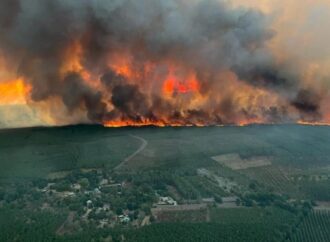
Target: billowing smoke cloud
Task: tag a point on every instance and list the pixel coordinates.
(167, 61)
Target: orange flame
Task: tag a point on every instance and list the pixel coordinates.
(173, 84)
(124, 123)
(146, 122)
(313, 123)
(14, 92)
(73, 61)
(121, 65)
(177, 79)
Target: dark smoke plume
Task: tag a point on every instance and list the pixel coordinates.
(208, 37)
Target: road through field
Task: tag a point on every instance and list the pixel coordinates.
(143, 145)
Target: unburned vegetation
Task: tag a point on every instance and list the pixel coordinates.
(84, 183)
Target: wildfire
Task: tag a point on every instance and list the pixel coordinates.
(72, 57)
(313, 123)
(13, 92)
(243, 123)
(173, 84)
(121, 64)
(124, 123)
(178, 65)
(147, 122)
(161, 124)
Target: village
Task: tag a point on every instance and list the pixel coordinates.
(106, 200)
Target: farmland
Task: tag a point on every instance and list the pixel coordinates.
(255, 183)
(315, 227)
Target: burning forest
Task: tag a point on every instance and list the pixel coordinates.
(146, 62)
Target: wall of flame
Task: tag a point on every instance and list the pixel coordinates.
(180, 85)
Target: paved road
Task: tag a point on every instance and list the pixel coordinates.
(143, 145)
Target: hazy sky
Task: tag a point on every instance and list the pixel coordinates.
(302, 29)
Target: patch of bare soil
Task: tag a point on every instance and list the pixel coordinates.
(235, 162)
(322, 206)
(58, 175)
(181, 213)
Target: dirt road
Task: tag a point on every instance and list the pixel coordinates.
(143, 145)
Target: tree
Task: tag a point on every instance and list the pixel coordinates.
(119, 211)
(2, 194)
(84, 183)
(40, 183)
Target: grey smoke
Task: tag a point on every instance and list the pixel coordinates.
(207, 36)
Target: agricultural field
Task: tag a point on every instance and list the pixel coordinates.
(253, 183)
(314, 228)
(275, 178)
(315, 187)
(271, 224)
(242, 224)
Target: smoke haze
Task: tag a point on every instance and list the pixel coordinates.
(167, 62)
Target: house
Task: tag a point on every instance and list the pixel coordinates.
(66, 194)
(167, 201)
(48, 187)
(229, 199)
(89, 203)
(104, 182)
(97, 191)
(76, 187)
(124, 218)
(208, 200)
(106, 207)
